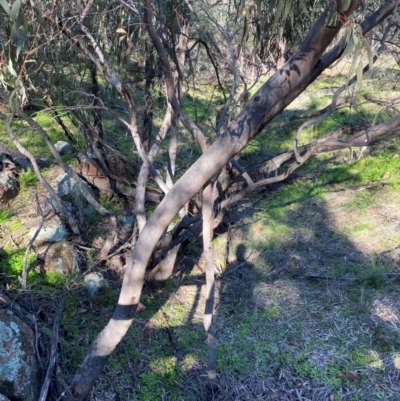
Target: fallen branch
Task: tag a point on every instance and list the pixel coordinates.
(53, 350)
(43, 218)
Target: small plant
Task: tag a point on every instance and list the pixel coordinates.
(114, 205)
(11, 262)
(4, 216)
(15, 224)
(28, 178)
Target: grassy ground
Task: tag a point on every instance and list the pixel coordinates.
(308, 294)
(308, 291)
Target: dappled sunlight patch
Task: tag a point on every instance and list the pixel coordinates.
(269, 233)
(376, 362)
(369, 220)
(278, 297)
(186, 304)
(396, 360)
(386, 310)
(163, 365)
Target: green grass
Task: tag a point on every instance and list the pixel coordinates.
(4, 216)
(11, 263)
(279, 324)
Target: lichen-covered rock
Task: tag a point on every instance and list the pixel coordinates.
(19, 378)
(53, 233)
(8, 186)
(69, 193)
(61, 258)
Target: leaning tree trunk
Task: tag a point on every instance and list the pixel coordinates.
(257, 112)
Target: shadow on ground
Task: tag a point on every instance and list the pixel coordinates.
(307, 309)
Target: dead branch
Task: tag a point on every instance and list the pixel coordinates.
(43, 218)
(362, 138)
(53, 350)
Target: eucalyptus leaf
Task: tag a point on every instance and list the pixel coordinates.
(288, 7)
(11, 69)
(5, 6)
(346, 5)
(21, 40)
(15, 10)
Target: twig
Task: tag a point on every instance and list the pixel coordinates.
(177, 351)
(12, 240)
(67, 389)
(37, 334)
(53, 351)
(25, 271)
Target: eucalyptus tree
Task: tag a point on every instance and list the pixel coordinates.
(103, 38)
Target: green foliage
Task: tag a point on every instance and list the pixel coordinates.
(14, 224)
(4, 216)
(11, 263)
(114, 205)
(56, 279)
(28, 178)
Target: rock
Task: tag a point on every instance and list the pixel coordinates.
(89, 168)
(3, 398)
(127, 220)
(63, 147)
(51, 233)
(19, 369)
(44, 162)
(61, 258)
(8, 186)
(94, 281)
(53, 229)
(22, 162)
(70, 195)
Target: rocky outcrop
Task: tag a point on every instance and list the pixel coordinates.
(92, 173)
(19, 369)
(94, 282)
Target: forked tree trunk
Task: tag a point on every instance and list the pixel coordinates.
(270, 100)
